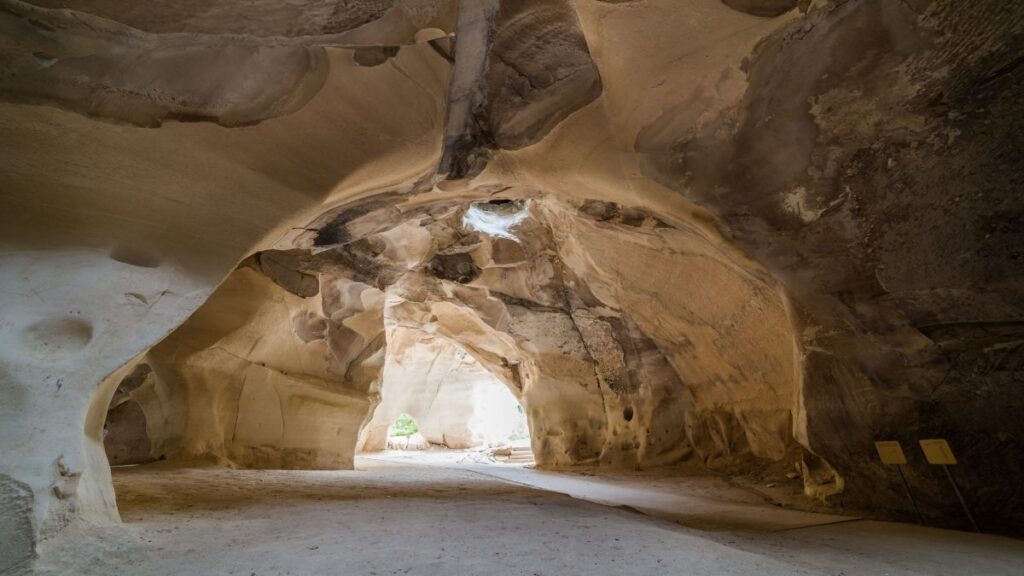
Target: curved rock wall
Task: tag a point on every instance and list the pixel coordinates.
(869, 166)
(722, 328)
(614, 367)
(114, 234)
(803, 215)
(257, 394)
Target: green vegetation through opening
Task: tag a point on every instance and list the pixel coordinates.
(403, 426)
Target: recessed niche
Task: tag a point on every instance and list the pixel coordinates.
(135, 257)
(57, 337)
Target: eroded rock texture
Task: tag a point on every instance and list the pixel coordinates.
(735, 234)
(128, 229)
(193, 61)
(520, 68)
(558, 311)
(871, 166)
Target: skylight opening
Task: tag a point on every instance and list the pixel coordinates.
(497, 218)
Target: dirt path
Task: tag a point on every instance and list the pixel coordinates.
(405, 519)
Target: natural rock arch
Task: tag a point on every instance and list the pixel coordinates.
(608, 376)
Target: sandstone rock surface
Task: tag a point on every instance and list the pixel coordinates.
(737, 234)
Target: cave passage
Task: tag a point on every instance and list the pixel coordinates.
(701, 287)
(510, 338)
(472, 317)
(465, 408)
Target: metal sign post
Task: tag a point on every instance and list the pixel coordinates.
(938, 452)
(890, 452)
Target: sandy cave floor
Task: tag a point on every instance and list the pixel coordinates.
(397, 516)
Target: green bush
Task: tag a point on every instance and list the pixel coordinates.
(404, 426)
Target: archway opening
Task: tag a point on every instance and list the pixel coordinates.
(469, 318)
(435, 396)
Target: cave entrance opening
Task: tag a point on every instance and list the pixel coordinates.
(436, 398)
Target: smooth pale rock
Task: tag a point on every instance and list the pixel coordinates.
(454, 401)
(258, 396)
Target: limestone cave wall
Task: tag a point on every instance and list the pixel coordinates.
(758, 230)
(289, 358)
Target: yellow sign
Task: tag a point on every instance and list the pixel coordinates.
(890, 452)
(937, 451)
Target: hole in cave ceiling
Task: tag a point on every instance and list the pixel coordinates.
(497, 217)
